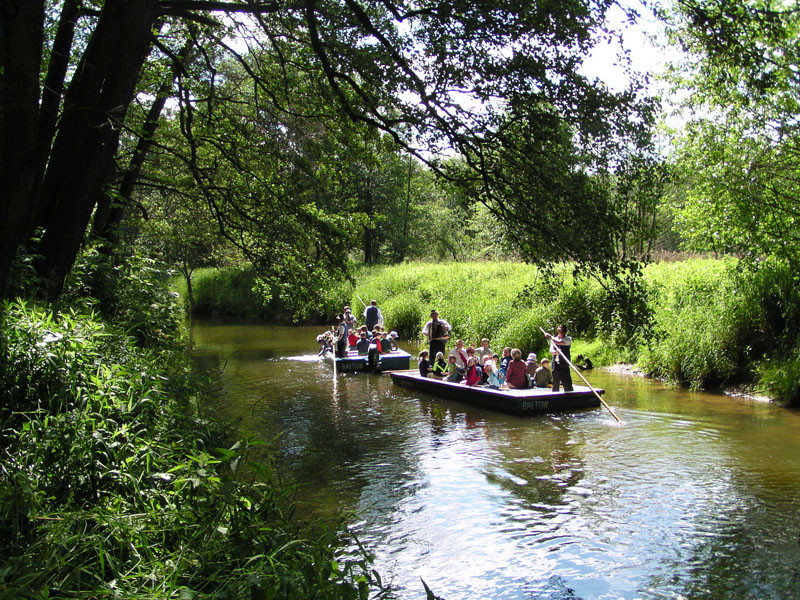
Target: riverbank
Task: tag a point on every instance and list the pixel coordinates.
(703, 323)
(115, 483)
(736, 391)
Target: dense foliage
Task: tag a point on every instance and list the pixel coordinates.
(738, 151)
(286, 122)
(111, 485)
(238, 292)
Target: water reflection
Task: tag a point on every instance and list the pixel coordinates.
(695, 496)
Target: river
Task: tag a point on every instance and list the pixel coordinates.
(696, 495)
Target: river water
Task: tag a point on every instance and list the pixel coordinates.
(696, 495)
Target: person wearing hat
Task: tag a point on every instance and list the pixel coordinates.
(349, 318)
(393, 340)
(438, 332)
(530, 367)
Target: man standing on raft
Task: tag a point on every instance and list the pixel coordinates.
(373, 315)
(561, 372)
(438, 332)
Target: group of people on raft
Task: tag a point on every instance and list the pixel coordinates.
(369, 339)
(463, 364)
(482, 366)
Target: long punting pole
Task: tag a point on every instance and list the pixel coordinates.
(359, 299)
(333, 356)
(586, 381)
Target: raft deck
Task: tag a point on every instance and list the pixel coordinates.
(520, 402)
(390, 361)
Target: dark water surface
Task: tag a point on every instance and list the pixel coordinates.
(696, 496)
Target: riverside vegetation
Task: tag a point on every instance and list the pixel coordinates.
(705, 322)
(112, 485)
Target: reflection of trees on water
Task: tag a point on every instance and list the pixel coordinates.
(355, 449)
(539, 461)
(344, 450)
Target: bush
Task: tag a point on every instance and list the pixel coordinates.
(780, 379)
(111, 487)
(715, 321)
(129, 293)
(695, 333)
(227, 291)
(239, 292)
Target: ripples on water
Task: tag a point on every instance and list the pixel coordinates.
(695, 496)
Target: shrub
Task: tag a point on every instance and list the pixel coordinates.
(780, 379)
(131, 294)
(227, 291)
(694, 335)
(111, 488)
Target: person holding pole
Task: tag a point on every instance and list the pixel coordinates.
(560, 351)
(561, 368)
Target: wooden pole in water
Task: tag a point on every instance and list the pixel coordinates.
(586, 381)
(333, 356)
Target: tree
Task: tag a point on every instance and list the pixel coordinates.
(740, 153)
(638, 186)
(431, 75)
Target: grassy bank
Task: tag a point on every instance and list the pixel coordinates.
(710, 322)
(706, 322)
(112, 486)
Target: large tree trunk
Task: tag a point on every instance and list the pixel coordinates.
(21, 30)
(87, 139)
(52, 93)
(111, 210)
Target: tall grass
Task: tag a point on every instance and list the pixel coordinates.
(506, 302)
(710, 321)
(697, 312)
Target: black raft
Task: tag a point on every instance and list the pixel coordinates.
(520, 402)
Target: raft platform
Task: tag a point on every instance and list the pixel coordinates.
(519, 402)
(390, 361)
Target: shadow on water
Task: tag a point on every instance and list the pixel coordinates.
(694, 497)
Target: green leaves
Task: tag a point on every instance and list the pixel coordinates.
(111, 487)
(738, 155)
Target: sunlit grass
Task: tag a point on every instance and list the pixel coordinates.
(711, 321)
